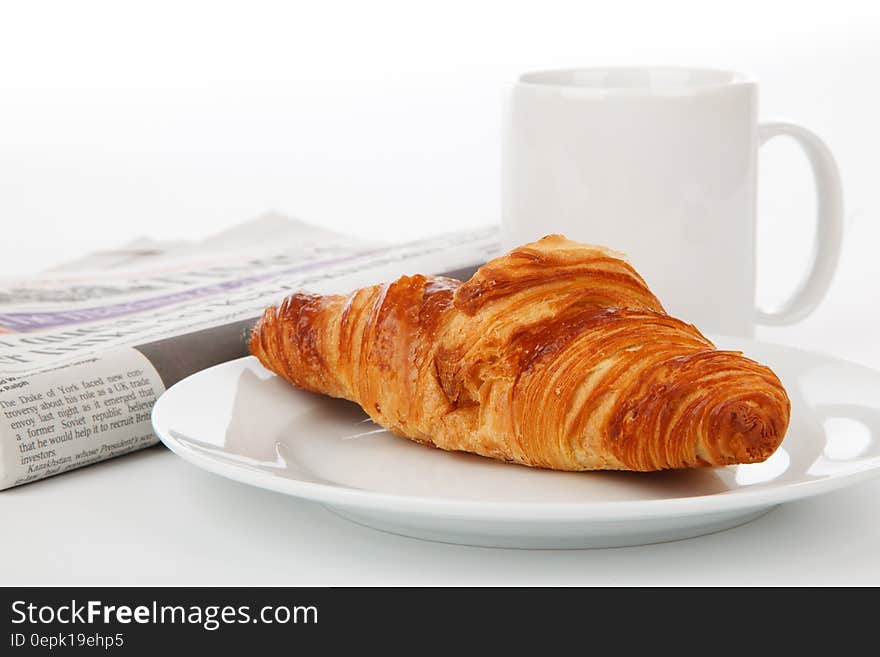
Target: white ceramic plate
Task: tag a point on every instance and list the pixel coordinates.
(240, 421)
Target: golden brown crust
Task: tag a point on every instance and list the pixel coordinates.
(555, 355)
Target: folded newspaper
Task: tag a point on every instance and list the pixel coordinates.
(88, 347)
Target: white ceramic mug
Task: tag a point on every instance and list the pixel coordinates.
(661, 164)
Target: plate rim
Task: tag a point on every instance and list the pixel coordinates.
(371, 500)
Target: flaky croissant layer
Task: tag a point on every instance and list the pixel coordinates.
(555, 355)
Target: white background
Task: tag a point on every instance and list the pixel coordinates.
(381, 119)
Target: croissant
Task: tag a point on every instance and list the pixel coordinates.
(555, 355)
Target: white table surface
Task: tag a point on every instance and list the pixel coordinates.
(150, 518)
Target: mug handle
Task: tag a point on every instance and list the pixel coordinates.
(829, 224)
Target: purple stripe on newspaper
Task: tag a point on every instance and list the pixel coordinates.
(38, 321)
